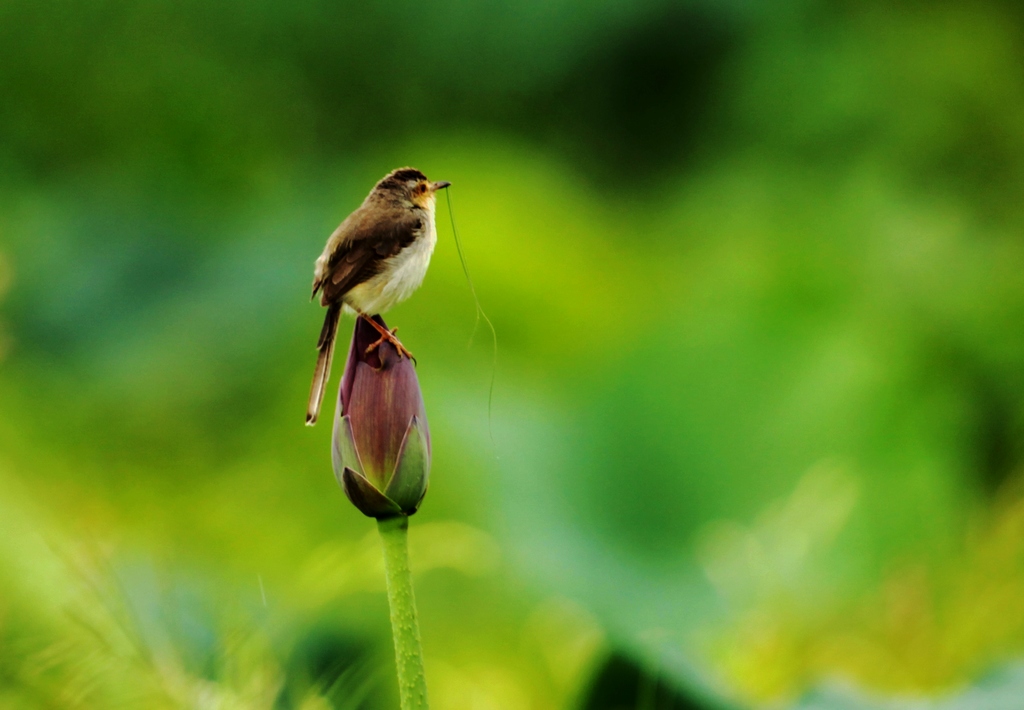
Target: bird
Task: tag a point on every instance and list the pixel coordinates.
(375, 259)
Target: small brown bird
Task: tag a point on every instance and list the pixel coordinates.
(375, 259)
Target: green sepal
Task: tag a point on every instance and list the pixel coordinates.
(343, 453)
(364, 496)
(408, 483)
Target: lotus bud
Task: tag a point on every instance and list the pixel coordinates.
(381, 443)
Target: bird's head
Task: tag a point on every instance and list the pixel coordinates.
(408, 186)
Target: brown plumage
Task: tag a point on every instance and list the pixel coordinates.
(375, 259)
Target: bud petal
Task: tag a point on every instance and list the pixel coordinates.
(365, 497)
(408, 484)
(383, 396)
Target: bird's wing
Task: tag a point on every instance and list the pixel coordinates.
(364, 241)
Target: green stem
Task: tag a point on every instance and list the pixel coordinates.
(412, 685)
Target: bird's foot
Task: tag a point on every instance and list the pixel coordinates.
(389, 337)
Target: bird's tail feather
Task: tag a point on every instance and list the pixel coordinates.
(325, 347)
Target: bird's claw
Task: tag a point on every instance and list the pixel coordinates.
(389, 336)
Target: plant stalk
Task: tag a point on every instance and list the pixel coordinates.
(412, 685)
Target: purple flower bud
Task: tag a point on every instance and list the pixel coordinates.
(381, 442)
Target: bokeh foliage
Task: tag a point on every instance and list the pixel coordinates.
(759, 401)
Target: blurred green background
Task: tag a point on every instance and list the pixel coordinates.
(757, 276)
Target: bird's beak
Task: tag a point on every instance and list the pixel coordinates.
(441, 185)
